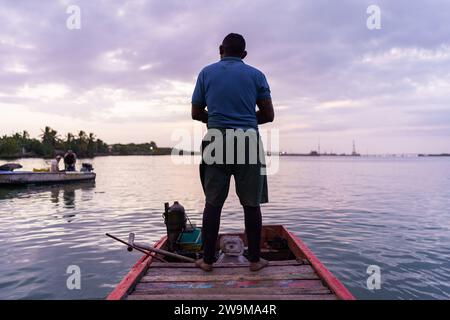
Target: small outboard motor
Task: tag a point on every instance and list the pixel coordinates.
(86, 167)
(175, 220)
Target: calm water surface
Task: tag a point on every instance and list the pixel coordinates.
(352, 212)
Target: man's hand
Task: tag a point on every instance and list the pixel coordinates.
(265, 113)
(199, 114)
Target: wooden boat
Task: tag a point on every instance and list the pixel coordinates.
(8, 178)
(293, 273)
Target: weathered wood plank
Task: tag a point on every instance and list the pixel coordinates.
(228, 274)
(229, 277)
(233, 284)
(232, 297)
(236, 270)
(234, 291)
(226, 265)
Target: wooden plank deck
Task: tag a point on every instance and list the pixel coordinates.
(281, 280)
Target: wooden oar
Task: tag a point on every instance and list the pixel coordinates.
(155, 250)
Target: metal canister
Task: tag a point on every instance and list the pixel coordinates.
(175, 220)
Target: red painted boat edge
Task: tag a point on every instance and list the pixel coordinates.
(333, 283)
(137, 271)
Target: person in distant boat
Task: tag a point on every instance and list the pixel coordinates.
(70, 158)
(225, 98)
(54, 164)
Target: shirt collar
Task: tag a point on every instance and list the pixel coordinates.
(231, 59)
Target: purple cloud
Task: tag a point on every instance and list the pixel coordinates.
(136, 61)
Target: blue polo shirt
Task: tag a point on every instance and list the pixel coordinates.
(230, 89)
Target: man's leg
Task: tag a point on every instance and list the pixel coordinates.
(210, 232)
(253, 226)
(216, 182)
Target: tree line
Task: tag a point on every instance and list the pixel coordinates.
(85, 145)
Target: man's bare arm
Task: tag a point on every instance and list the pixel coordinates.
(199, 114)
(265, 113)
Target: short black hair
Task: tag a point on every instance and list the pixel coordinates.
(234, 44)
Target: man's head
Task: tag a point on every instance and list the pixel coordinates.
(233, 46)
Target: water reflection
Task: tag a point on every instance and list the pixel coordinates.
(68, 191)
(61, 195)
(351, 212)
(67, 194)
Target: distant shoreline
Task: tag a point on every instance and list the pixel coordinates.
(88, 146)
(434, 155)
(156, 152)
(398, 155)
(196, 153)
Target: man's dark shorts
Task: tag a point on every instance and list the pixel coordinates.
(246, 162)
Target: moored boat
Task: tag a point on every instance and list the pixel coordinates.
(9, 178)
(293, 273)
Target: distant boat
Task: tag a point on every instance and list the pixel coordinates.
(9, 178)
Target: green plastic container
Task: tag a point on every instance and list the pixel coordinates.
(191, 240)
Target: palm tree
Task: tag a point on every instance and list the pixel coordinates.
(101, 146)
(68, 144)
(49, 136)
(91, 145)
(69, 138)
(82, 142)
(25, 135)
(82, 135)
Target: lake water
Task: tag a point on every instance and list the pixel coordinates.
(352, 212)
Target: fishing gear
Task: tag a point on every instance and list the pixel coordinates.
(149, 250)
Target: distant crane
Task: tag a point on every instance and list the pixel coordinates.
(354, 153)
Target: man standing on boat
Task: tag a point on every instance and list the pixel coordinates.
(70, 158)
(231, 90)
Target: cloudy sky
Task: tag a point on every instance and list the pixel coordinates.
(129, 72)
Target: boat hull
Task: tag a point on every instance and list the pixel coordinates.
(302, 271)
(25, 178)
